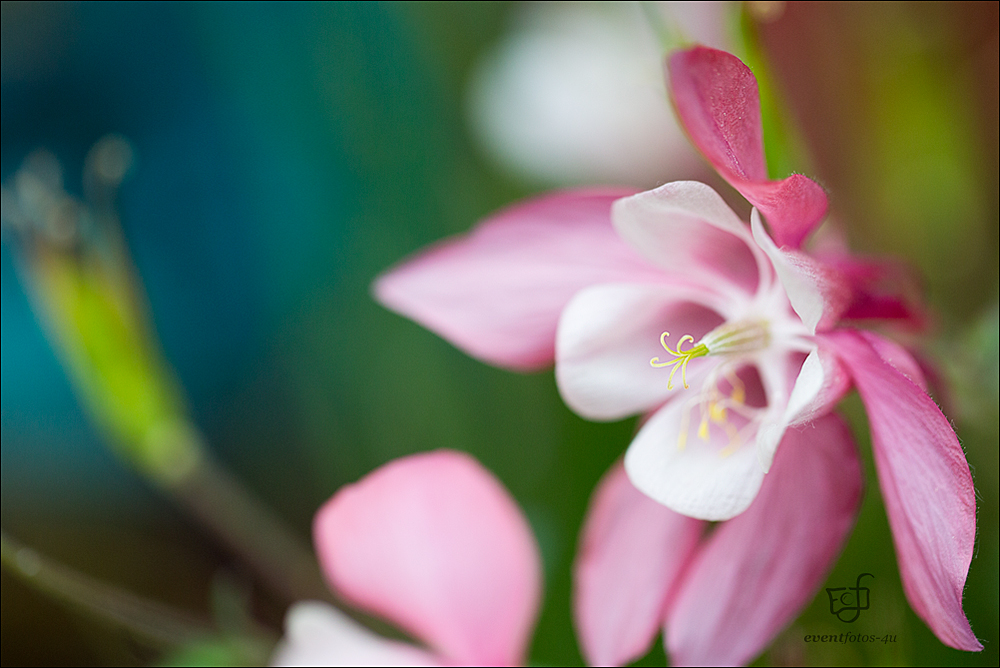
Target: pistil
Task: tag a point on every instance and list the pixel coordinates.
(734, 338)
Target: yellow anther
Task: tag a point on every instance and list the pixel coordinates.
(739, 393)
(681, 357)
(734, 441)
(682, 435)
(728, 450)
(703, 429)
(717, 412)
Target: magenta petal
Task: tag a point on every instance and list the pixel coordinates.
(898, 358)
(435, 544)
(759, 569)
(630, 555)
(926, 485)
(717, 101)
(880, 288)
(497, 292)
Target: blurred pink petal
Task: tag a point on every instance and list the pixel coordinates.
(317, 634)
(880, 289)
(434, 544)
(926, 485)
(497, 292)
(717, 101)
(631, 554)
(757, 571)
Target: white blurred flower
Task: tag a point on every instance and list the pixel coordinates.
(575, 93)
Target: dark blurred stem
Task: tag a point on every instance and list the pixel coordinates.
(249, 528)
(154, 622)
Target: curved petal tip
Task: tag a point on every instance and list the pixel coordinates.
(718, 103)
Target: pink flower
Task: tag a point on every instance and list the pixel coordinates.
(752, 367)
(594, 281)
(434, 544)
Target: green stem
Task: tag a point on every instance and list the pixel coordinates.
(249, 528)
(155, 622)
(82, 284)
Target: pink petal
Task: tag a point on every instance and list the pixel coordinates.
(925, 483)
(317, 634)
(880, 288)
(817, 293)
(898, 358)
(687, 229)
(631, 553)
(497, 292)
(717, 102)
(758, 570)
(433, 543)
(607, 336)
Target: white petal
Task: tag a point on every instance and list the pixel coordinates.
(808, 384)
(701, 479)
(607, 336)
(817, 294)
(317, 634)
(687, 229)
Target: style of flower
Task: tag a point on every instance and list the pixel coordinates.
(631, 293)
(434, 544)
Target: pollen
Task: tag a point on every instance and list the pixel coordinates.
(681, 357)
(716, 405)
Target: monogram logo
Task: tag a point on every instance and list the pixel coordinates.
(848, 602)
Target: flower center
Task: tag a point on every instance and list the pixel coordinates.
(681, 357)
(730, 338)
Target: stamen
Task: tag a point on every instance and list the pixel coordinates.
(734, 342)
(703, 428)
(739, 393)
(682, 357)
(739, 337)
(714, 407)
(736, 438)
(682, 435)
